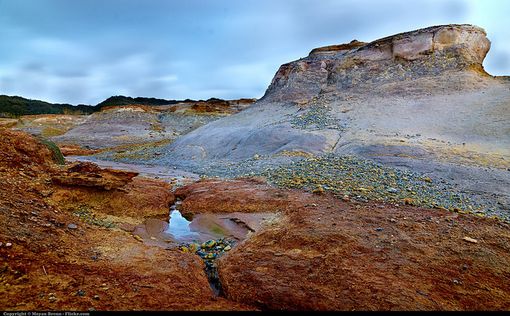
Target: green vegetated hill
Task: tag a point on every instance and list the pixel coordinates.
(120, 100)
(14, 106)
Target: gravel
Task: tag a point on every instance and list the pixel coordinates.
(348, 177)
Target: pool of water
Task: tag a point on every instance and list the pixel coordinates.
(179, 227)
(202, 227)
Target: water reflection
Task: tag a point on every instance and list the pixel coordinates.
(179, 227)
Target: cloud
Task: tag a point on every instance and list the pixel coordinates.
(86, 51)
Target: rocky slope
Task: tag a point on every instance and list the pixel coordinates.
(138, 124)
(419, 101)
(428, 85)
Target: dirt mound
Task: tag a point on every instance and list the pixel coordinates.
(20, 150)
(326, 254)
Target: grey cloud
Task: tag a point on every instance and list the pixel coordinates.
(85, 51)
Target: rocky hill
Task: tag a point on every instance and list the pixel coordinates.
(428, 84)
(137, 123)
(420, 101)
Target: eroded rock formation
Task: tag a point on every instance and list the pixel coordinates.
(407, 56)
(415, 92)
(86, 174)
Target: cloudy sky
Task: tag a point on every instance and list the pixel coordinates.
(85, 51)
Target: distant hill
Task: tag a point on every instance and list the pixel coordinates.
(120, 100)
(13, 106)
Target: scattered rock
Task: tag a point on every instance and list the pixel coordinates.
(209, 244)
(318, 190)
(127, 227)
(52, 297)
(72, 226)
(427, 179)
(471, 240)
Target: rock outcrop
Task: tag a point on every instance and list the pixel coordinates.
(246, 195)
(357, 65)
(427, 86)
(419, 100)
(87, 174)
(327, 255)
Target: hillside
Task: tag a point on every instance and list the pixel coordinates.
(14, 106)
(419, 101)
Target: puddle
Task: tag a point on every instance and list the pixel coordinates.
(201, 228)
(179, 227)
(206, 235)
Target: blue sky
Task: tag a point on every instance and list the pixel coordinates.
(85, 51)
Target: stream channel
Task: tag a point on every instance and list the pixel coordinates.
(208, 235)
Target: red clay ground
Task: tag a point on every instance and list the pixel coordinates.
(327, 254)
(318, 253)
(52, 259)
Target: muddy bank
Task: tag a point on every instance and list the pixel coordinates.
(60, 251)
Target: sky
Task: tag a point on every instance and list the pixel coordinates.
(83, 51)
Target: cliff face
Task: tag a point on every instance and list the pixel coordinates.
(431, 51)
